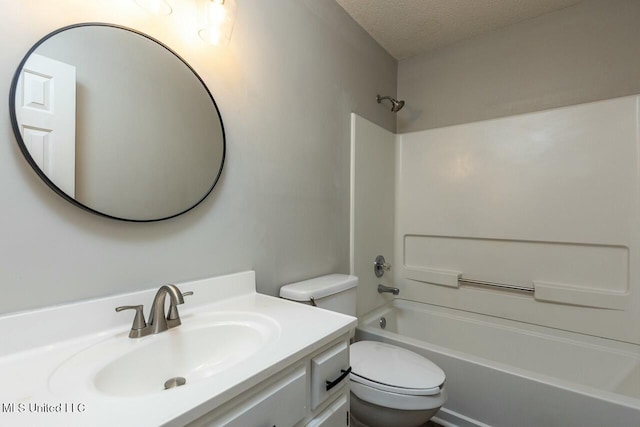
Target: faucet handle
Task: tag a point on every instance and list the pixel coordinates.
(138, 322)
(380, 266)
(173, 318)
(173, 309)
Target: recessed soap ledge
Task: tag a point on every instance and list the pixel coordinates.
(52, 356)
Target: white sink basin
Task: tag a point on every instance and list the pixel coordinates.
(201, 347)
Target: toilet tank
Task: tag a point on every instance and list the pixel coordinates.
(335, 292)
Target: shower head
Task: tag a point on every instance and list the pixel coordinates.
(395, 104)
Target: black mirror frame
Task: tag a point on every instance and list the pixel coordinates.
(41, 174)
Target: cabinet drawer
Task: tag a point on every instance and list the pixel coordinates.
(328, 367)
(336, 415)
(282, 404)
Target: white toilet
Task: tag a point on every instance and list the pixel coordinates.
(390, 386)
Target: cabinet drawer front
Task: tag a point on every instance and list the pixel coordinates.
(282, 405)
(336, 415)
(328, 367)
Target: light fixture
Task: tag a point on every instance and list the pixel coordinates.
(157, 7)
(217, 17)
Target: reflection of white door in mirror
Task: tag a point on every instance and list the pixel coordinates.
(46, 110)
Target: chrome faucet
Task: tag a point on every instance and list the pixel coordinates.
(382, 289)
(157, 320)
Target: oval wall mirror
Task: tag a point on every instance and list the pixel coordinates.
(117, 123)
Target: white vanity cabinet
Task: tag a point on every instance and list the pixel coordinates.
(295, 396)
(337, 414)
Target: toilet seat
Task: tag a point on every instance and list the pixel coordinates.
(393, 369)
(397, 390)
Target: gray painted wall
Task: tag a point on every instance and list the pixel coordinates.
(285, 85)
(584, 53)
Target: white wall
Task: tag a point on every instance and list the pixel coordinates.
(294, 71)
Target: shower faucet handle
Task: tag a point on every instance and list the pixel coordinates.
(380, 266)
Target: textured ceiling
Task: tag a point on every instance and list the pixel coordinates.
(407, 28)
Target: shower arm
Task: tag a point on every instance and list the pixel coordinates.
(395, 104)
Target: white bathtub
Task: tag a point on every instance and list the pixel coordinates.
(502, 373)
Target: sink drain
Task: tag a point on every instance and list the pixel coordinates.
(174, 382)
(383, 322)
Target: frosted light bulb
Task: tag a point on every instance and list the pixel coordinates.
(217, 18)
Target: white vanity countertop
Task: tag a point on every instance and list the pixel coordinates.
(37, 344)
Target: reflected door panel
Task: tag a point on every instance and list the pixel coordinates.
(46, 110)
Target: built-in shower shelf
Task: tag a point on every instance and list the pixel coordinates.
(574, 295)
(438, 277)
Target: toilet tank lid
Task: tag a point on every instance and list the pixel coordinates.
(318, 287)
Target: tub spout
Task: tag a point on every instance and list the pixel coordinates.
(382, 289)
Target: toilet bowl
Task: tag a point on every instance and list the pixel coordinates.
(390, 386)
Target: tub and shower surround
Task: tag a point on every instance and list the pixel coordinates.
(546, 202)
(517, 255)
